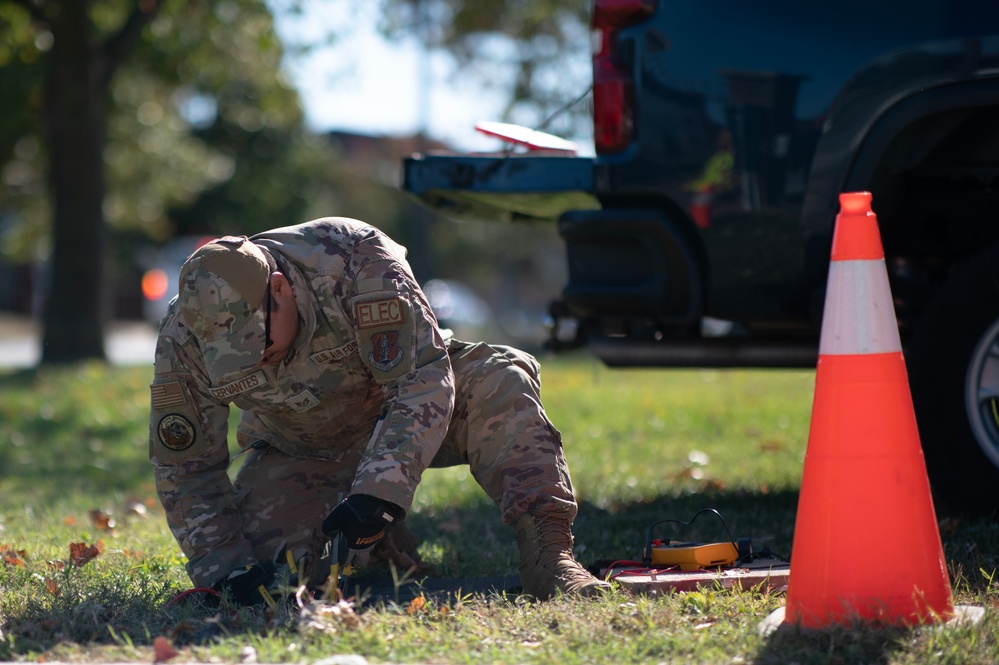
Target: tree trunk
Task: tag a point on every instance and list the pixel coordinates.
(75, 124)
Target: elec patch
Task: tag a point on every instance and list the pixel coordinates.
(175, 432)
(378, 313)
(384, 324)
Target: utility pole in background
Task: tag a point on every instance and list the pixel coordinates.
(421, 257)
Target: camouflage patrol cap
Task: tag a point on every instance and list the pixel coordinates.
(220, 296)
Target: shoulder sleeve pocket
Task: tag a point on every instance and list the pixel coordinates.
(383, 321)
(179, 429)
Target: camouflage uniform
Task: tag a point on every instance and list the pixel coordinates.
(373, 394)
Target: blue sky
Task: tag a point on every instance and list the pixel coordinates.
(366, 85)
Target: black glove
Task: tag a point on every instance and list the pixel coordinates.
(243, 584)
(360, 519)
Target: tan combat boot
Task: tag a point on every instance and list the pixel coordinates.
(546, 563)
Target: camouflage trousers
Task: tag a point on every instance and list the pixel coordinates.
(498, 428)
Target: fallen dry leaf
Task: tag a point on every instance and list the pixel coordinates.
(12, 557)
(187, 626)
(136, 508)
(102, 521)
(162, 650)
(682, 474)
(416, 605)
(328, 617)
(81, 554)
(52, 587)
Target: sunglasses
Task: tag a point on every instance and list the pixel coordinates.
(267, 317)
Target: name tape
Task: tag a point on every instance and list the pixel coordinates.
(255, 380)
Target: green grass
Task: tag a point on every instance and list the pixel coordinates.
(643, 446)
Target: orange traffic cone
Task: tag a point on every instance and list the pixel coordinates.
(866, 543)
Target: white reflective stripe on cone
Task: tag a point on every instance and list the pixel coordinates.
(859, 316)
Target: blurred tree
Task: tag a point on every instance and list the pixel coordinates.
(127, 120)
(178, 106)
(79, 61)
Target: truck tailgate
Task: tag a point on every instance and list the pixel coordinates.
(501, 187)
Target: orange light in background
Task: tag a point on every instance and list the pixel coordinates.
(155, 284)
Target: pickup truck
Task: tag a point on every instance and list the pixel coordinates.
(698, 235)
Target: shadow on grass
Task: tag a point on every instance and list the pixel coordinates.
(473, 553)
(470, 550)
(848, 644)
(83, 608)
(621, 531)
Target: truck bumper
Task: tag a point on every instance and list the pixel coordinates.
(630, 265)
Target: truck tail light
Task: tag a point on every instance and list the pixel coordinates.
(613, 108)
(620, 13)
(155, 284)
(613, 86)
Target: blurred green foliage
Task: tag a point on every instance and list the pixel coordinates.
(205, 135)
(199, 110)
(205, 132)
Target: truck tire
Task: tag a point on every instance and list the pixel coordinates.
(953, 364)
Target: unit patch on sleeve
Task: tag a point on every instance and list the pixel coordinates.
(387, 353)
(384, 327)
(175, 432)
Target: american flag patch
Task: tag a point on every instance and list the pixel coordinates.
(167, 394)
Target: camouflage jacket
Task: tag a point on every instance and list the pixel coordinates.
(369, 369)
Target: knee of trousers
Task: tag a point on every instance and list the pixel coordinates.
(283, 500)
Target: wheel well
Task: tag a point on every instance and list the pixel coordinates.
(936, 194)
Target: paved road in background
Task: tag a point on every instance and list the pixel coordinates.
(126, 343)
